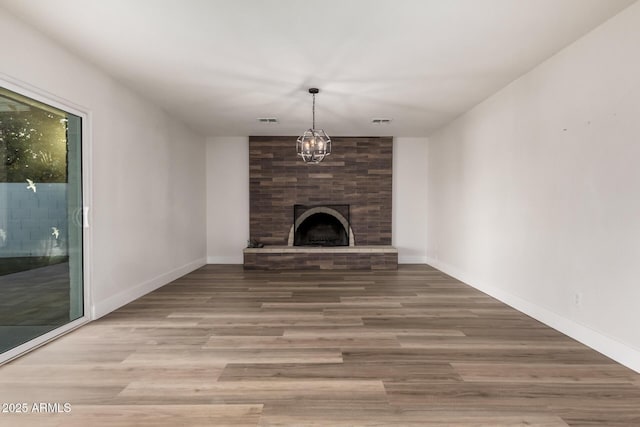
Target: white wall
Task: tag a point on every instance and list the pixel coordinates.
(534, 195)
(148, 170)
(410, 199)
(227, 199)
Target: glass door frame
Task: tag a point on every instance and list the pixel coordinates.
(85, 115)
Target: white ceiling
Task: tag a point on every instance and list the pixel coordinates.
(219, 64)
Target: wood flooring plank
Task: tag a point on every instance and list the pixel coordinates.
(329, 305)
(420, 355)
(474, 343)
(219, 357)
(512, 396)
(293, 342)
(314, 371)
(78, 392)
(396, 312)
(324, 321)
(331, 413)
(362, 331)
(556, 373)
(247, 331)
(411, 419)
(261, 391)
(114, 374)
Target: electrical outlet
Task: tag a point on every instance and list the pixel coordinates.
(577, 299)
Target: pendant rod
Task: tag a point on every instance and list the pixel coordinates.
(313, 91)
(314, 112)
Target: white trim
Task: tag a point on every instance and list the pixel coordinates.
(610, 347)
(238, 259)
(42, 95)
(116, 301)
(411, 259)
(87, 211)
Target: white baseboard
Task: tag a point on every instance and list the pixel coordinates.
(412, 259)
(612, 348)
(116, 301)
(225, 259)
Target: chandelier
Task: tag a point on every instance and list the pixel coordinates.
(314, 144)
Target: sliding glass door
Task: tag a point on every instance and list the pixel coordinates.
(41, 227)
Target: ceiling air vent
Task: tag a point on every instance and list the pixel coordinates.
(380, 121)
(267, 120)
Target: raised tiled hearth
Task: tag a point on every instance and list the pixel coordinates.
(357, 174)
(330, 258)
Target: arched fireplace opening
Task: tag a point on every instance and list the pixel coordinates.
(321, 226)
(321, 229)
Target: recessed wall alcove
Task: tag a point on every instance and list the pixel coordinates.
(357, 174)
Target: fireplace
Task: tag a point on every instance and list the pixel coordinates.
(354, 235)
(326, 225)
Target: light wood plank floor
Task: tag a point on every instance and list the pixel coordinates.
(222, 346)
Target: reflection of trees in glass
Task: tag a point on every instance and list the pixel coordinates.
(33, 144)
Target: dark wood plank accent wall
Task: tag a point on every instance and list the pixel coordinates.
(358, 173)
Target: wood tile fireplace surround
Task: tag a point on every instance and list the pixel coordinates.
(358, 173)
